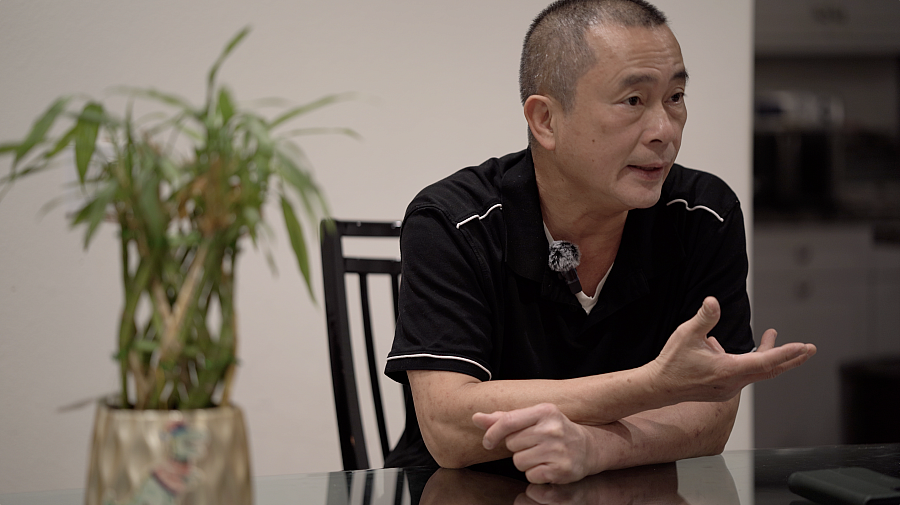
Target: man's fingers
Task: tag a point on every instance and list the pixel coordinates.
(715, 344)
(767, 341)
(706, 318)
(773, 361)
(501, 425)
(811, 350)
(492, 438)
(793, 362)
(485, 421)
(769, 361)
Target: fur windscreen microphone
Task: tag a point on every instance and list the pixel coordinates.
(564, 258)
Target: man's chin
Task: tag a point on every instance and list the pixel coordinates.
(643, 198)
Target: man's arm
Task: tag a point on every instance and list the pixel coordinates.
(691, 368)
(549, 448)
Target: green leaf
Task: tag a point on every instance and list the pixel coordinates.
(302, 183)
(324, 131)
(39, 166)
(94, 211)
(258, 131)
(252, 218)
(311, 106)
(225, 107)
(192, 134)
(298, 243)
(62, 143)
(86, 137)
(270, 260)
(176, 123)
(291, 172)
(211, 79)
(170, 172)
(41, 126)
(159, 96)
(149, 210)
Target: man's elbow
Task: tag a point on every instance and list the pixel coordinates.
(706, 443)
(717, 445)
(449, 460)
(445, 450)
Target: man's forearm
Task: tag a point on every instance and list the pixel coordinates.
(452, 399)
(685, 430)
(550, 448)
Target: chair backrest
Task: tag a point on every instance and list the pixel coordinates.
(336, 267)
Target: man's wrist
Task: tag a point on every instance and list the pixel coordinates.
(606, 447)
(652, 389)
(658, 386)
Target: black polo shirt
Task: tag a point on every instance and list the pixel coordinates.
(478, 297)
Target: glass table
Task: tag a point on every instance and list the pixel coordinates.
(735, 478)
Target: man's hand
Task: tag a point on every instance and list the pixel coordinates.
(547, 446)
(645, 485)
(696, 368)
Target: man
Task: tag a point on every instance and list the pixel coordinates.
(646, 363)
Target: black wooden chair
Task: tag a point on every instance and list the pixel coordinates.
(336, 267)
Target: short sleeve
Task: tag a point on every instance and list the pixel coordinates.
(445, 310)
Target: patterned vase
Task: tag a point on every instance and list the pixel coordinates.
(190, 457)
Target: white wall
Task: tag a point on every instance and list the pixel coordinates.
(438, 81)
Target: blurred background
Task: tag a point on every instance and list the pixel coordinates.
(826, 191)
(437, 91)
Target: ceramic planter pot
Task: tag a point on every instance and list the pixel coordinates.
(161, 457)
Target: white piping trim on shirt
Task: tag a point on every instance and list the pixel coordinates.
(438, 356)
(702, 207)
(476, 216)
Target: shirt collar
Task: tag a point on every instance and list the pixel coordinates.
(650, 245)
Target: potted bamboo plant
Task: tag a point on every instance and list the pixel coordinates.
(186, 190)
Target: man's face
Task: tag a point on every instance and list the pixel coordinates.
(617, 144)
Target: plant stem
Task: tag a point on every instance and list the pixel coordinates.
(168, 343)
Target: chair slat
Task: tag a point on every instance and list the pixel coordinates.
(372, 266)
(335, 267)
(373, 366)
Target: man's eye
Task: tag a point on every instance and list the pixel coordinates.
(633, 100)
(678, 97)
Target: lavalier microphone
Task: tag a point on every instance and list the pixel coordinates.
(564, 258)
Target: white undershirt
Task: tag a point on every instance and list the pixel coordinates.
(587, 302)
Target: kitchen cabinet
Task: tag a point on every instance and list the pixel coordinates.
(836, 287)
(856, 27)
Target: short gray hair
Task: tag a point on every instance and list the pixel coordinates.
(556, 54)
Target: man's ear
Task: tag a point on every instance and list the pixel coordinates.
(539, 112)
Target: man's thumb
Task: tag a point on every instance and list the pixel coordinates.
(484, 421)
(707, 316)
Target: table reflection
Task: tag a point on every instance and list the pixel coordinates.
(669, 484)
(736, 478)
(761, 477)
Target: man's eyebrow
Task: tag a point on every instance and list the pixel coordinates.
(633, 80)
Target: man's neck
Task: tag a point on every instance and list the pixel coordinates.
(596, 231)
(570, 213)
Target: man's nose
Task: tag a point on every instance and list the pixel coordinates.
(661, 126)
